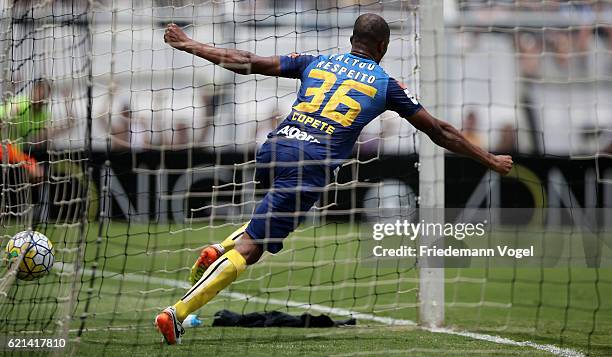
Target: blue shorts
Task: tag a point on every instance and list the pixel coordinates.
(295, 184)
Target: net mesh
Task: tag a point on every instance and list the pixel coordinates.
(147, 156)
(46, 67)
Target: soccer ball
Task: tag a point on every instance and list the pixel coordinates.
(37, 251)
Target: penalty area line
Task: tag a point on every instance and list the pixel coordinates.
(139, 278)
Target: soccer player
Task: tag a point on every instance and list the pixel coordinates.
(339, 95)
(26, 118)
(16, 156)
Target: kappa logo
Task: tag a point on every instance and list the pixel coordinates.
(407, 92)
(411, 97)
(296, 55)
(295, 133)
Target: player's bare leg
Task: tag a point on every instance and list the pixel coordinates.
(217, 277)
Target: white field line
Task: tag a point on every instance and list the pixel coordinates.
(555, 350)
(558, 351)
(321, 308)
(240, 296)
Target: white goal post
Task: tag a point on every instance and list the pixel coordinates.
(431, 157)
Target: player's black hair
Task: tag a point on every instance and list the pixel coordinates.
(370, 29)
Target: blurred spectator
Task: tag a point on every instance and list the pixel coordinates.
(28, 117)
(601, 138)
(607, 148)
(507, 142)
(266, 126)
(29, 124)
(552, 54)
(120, 132)
(470, 129)
(204, 133)
(529, 48)
(129, 132)
(180, 138)
(209, 106)
(568, 45)
(210, 102)
(604, 28)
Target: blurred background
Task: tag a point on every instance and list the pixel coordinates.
(531, 77)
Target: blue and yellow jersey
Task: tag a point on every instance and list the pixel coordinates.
(339, 95)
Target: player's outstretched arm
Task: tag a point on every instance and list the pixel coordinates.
(238, 61)
(448, 137)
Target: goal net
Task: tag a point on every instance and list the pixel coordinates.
(46, 69)
(147, 156)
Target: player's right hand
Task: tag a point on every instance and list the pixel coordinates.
(502, 164)
(176, 37)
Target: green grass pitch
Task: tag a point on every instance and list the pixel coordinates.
(134, 270)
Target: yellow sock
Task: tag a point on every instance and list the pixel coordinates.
(216, 278)
(229, 242)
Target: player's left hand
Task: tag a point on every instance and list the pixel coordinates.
(176, 37)
(502, 164)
